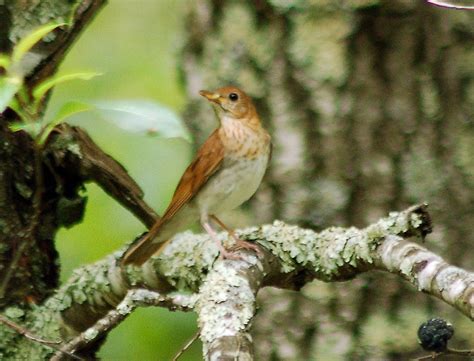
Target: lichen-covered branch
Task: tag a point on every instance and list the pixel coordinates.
(226, 308)
(223, 291)
(134, 298)
(428, 272)
(365, 100)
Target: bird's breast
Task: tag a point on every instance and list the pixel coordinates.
(236, 181)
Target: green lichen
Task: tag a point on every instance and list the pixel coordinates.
(124, 308)
(39, 322)
(326, 253)
(74, 148)
(192, 257)
(91, 334)
(225, 292)
(89, 284)
(14, 313)
(27, 15)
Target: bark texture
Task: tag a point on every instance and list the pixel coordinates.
(35, 199)
(370, 105)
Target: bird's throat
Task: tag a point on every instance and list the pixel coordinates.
(246, 139)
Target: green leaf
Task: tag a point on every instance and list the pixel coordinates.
(31, 39)
(42, 89)
(4, 61)
(17, 108)
(32, 129)
(67, 110)
(9, 86)
(144, 116)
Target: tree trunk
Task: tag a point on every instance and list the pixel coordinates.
(35, 198)
(370, 107)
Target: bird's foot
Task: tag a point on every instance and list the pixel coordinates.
(231, 253)
(241, 244)
(225, 254)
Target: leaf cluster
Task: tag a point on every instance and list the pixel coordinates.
(28, 104)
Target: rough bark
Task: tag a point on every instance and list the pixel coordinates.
(370, 107)
(21, 220)
(41, 192)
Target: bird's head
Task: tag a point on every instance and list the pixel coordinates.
(232, 102)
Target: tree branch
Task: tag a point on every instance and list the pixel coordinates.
(74, 153)
(223, 291)
(133, 299)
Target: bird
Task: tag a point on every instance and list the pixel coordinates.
(225, 172)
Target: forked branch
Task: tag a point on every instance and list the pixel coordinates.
(223, 292)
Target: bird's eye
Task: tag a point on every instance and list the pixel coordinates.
(233, 96)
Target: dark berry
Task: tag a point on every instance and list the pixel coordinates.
(434, 334)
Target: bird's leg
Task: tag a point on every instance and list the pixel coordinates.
(224, 227)
(223, 254)
(240, 244)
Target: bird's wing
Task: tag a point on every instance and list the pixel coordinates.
(206, 163)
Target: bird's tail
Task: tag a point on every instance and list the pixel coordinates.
(142, 249)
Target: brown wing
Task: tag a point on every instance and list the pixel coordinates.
(206, 162)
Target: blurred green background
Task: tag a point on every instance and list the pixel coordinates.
(135, 45)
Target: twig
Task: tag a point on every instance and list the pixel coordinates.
(187, 345)
(91, 163)
(428, 357)
(450, 5)
(449, 351)
(30, 230)
(133, 299)
(24, 332)
(454, 351)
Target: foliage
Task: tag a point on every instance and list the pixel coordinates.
(132, 115)
(145, 117)
(13, 93)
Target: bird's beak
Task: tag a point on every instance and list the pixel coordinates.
(212, 97)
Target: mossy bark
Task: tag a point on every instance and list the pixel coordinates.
(33, 207)
(20, 220)
(370, 107)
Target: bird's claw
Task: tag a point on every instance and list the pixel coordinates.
(240, 244)
(224, 254)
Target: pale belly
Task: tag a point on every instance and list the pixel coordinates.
(232, 186)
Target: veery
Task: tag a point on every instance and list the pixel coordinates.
(226, 171)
